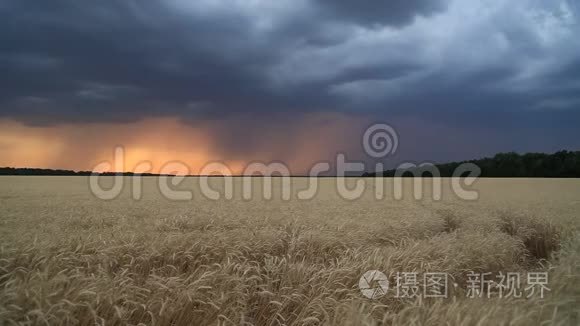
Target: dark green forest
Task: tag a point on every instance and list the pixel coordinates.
(563, 164)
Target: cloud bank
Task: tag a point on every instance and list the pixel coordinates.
(494, 67)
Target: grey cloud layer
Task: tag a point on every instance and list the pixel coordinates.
(477, 62)
(373, 12)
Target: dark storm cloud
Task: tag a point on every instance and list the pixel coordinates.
(490, 63)
(370, 12)
(157, 60)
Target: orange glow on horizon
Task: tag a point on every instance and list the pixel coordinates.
(83, 147)
(159, 141)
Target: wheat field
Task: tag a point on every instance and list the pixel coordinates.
(68, 258)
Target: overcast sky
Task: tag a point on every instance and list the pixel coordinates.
(457, 78)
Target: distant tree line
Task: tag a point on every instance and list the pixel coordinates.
(58, 172)
(563, 164)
